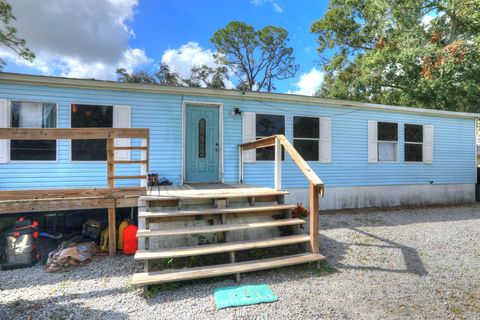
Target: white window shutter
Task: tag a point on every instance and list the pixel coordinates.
(249, 135)
(428, 144)
(325, 140)
(372, 141)
(122, 119)
(4, 123)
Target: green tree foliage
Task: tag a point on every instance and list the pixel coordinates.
(388, 52)
(201, 76)
(257, 57)
(164, 76)
(205, 76)
(8, 34)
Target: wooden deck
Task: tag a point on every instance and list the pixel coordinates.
(59, 199)
(208, 191)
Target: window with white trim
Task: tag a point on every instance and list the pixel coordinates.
(306, 137)
(33, 115)
(387, 137)
(413, 146)
(267, 125)
(90, 116)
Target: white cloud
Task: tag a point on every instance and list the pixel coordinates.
(276, 7)
(308, 83)
(189, 55)
(86, 38)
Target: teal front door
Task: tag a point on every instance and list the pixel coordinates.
(202, 144)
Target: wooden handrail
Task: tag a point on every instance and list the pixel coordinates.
(316, 184)
(71, 133)
(311, 176)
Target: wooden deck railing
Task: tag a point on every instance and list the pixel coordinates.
(12, 201)
(316, 184)
(109, 134)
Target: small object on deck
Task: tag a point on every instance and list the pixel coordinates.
(153, 182)
(243, 295)
(130, 242)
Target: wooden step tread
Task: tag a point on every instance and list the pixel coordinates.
(219, 228)
(220, 247)
(211, 211)
(217, 195)
(148, 278)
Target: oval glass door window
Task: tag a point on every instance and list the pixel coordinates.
(201, 138)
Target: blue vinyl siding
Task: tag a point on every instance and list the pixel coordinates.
(454, 143)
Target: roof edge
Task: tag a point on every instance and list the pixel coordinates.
(7, 77)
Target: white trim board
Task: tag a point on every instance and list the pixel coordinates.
(220, 134)
(6, 77)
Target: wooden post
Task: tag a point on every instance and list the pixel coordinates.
(278, 164)
(222, 236)
(112, 237)
(240, 164)
(111, 162)
(314, 219)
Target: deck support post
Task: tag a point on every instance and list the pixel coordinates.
(314, 218)
(278, 164)
(112, 237)
(232, 260)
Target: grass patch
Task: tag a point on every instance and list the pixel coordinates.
(323, 268)
(456, 310)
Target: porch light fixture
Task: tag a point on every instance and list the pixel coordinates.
(236, 112)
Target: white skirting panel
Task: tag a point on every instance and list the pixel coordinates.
(387, 196)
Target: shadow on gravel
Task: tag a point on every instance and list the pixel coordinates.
(335, 252)
(59, 307)
(396, 216)
(36, 276)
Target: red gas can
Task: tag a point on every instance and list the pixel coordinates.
(130, 243)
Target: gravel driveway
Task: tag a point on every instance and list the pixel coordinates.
(395, 264)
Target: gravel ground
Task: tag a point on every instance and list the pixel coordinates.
(395, 264)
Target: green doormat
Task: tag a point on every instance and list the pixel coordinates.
(243, 295)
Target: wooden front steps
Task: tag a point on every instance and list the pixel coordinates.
(177, 215)
(219, 248)
(148, 278)
(239, 211)
(219, 228)
(222, 194)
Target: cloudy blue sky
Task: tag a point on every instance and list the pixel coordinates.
(92, 38)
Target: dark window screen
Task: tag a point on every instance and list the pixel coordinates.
(306, 133)
(90, 116)
(387, 131)
(413, 143)
(268, 125)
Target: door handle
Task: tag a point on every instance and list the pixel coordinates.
(216, 147)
